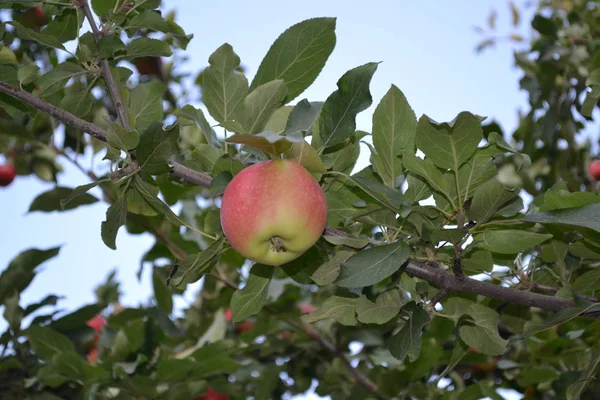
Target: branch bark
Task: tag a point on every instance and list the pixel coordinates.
(433, 275)
(113, 89)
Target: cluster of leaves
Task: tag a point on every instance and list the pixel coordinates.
(561, 77)
(432, 194)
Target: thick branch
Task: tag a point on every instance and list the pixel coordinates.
(421, 270)
(105, 68)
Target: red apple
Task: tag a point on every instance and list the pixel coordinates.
(594, 170)
(36, 17)
(149, 65)
(228, 314)
(244, 327)
(97, 323)
(306, 308)
(273, 211)
(210, 394)
(286, 335)
(7, 174)
(92, 355)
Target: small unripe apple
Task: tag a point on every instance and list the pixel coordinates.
(594, 170)
(7, 174)
(273, 211)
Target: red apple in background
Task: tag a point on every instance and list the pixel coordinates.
(273, 211)
(149, 65)
(36, 17)
(92, 355)
(594, 170)
(212, 395)
(306, 308)
(97, 323)
(286, 335)
(244, 327)
(228, 314)
(7, 174)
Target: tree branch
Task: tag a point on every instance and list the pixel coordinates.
(436, 276)
(105, 68)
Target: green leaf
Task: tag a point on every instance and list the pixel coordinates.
(28, 73)
(145, 104)
(267, 141)
(394, 128)
(482, 332)
(120, 138)
(575, 391)
(156, 147)
(47, 342)
(223, 87)
(303, 116)
(13, 314)
(109, 45)
(115, 218)
(563, 199)
(509, 241)
(197, 116)
(305, 155)
(386, 306)
(584, 217)
(51, 200)
(417, 189)
(386, 196)
(298, 55)
(556, 318)
(488, 199)
(193, 267)
(373, 265)
(21, 270)
(426, 170)
(458, 352)
(204, 157)
(55, 79)
(449, 145)
(260, 105)
(328, 272)
(65, 26)
(253, 297)
(337, 120)
(477, 262)
(78, 103)
(103, 6)
(337, 307)
(75, 193)
(148, 47)
(129, 340)
(7, 57)
(354, 242)
(588, 281)
(536, 375)
(544, 25)
(162, 294)
(41, 38)
(72, 365)
(407, 342)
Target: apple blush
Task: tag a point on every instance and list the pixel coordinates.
(273, 211)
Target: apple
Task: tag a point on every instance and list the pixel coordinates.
(286, 335)
(594, 170)
(36, 17)
(7, 174)
(273, 211)
(149, 65)
(210, 394)
(306, 308)
(96, 323)
(228, 314)
(92, 355)
(244, 327)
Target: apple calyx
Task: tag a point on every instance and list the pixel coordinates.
(278, 245)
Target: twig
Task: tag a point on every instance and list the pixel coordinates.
(105, 68)
(433, 275)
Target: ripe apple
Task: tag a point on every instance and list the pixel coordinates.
(149, 65)
(244, 327)
(35, 17)
(92, 355)
(228, 314)
(286, 335)
(594, 170)
(7, 174)
(273, 211)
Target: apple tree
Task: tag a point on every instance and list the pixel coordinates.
(463, 259)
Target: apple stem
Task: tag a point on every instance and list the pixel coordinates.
(278, 244)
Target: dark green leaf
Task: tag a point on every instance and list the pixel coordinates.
(303, 116)
(65, 26)
(115, 218)
(148, 47)
(47, 342)
(386, 306)
(193, 267)
(509, 241)
(337, 120)
(156, 147)
(197, 116)
(163, 296)
(260, 105)
(253, 297)
(407, 342)
(145, 104)
(52, 200)
(41, 38)
(120, 138)
(21, 270)
(371, 266)
(267, 141)
(584, 217)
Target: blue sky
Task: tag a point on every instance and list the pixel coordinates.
(426, 49)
